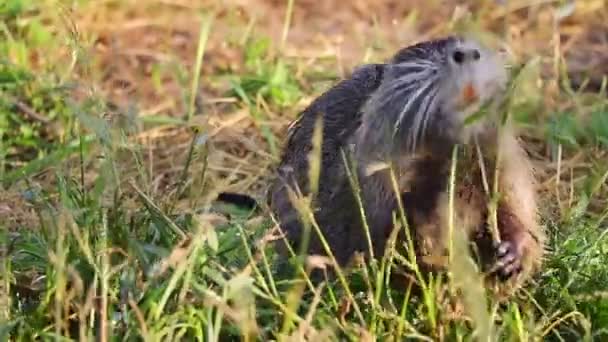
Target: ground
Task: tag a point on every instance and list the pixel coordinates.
(121, 121)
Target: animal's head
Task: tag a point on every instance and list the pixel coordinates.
(429, 90)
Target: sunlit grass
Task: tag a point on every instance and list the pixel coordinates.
(109, 227)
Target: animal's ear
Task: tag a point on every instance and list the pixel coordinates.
(372, 73)
(366, 69)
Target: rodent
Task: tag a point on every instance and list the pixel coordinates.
(410, 112)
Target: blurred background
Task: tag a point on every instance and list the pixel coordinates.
(260, 63)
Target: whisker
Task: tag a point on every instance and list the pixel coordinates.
(430, 107)
(414, 135)
(415, 66)
(403, 86)
(410, 79)
(400, 91)
(425, 98)
(411, 99)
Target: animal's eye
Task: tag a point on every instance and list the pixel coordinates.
(476, 55)
(458, 56)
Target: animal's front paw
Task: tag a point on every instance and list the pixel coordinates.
(508, 260)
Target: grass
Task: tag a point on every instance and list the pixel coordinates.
(120, 123)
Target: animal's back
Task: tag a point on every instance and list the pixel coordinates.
(335, 205)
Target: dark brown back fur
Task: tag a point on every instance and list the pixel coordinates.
(340, 108)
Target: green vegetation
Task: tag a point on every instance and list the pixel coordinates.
(111, 157)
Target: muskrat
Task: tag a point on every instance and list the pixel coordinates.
(409, 113)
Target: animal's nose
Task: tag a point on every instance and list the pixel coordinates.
(464, 55)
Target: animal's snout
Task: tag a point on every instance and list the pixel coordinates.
(462, 55)
(469, 94)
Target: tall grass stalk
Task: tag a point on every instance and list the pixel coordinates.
(204, 30)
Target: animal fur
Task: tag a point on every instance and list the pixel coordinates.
(408, 114)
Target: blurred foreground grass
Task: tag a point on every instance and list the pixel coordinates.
(120, 123)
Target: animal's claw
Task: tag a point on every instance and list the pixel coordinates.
(508, 262)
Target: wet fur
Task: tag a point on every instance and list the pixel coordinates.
(340, 108)
(422, 177)
(517, 215)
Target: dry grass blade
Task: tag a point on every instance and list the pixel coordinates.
(156, 210)
(315, 158)
(23, 107)
(464, 272)
(202, 44)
